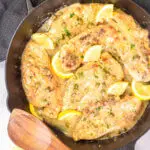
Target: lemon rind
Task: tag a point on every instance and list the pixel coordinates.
(32, 110)
(64, 114)
(139, 96)
(56, 70)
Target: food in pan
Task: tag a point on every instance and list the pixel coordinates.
(86, 71)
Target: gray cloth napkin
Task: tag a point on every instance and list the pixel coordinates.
(144, 3)
(11, 14)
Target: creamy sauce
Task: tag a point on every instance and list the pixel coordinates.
(73, 30)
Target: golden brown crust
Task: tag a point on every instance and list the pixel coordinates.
(38, 81)
(73, 30)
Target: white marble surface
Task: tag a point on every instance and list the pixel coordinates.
(5, 144)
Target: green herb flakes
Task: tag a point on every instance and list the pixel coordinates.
(98, 108)
(63, 36)
(97, 84)
(72, 14)
(135, 57)
(107, 125)
(132, 46)
(80, 74)
(82, 56)
(67, 32)
(96, 76)
(111, 113)
(76, 86)
(80, 20)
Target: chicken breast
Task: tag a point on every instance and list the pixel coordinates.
(101, 114)
(112, 66)
(70, 21)
(109, 119)
(39, 84)
(130, 54)
(124, 56)
(73, 20)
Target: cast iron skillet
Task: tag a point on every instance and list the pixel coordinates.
(16, 96)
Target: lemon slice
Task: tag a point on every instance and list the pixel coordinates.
(43, 40)
(67, 114)
(141, 90)
(117, 88)
(56, 66)
(68, 118)
(93, 53)
(105, 13)
(33, 112)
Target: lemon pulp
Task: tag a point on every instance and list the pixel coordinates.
(56, 66)
(93, 53)
(43, 40)
(117, 88)
(105, 13)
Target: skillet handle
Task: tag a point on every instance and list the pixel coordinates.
(130, 146)
(32, 3)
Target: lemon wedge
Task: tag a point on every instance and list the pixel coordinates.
(33, 111)
(68, 118)
(117, 88)
(93, 53)
(43, 40)
(105, 13)
(56, 66)
(67, 114)
(141, 90)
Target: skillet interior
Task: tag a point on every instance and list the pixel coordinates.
(17, 97)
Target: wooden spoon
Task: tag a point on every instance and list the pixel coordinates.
(29, 133)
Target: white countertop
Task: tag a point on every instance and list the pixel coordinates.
(5, 144)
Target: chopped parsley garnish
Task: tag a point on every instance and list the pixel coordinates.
(59, 39)
(111, 113)
(97, 84)
(82, 56)
(135, 57)
(132, 46)
(75, 77)
(96, 76)
(107, 125)
(80, 20)
(63, 36)
(76, 86)
(90, 24)
(80, 74)
(72, 14)
(98, 108)
(67, 32)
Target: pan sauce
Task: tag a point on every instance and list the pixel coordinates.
(73, 30)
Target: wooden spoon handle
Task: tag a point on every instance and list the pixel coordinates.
(29, 133)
